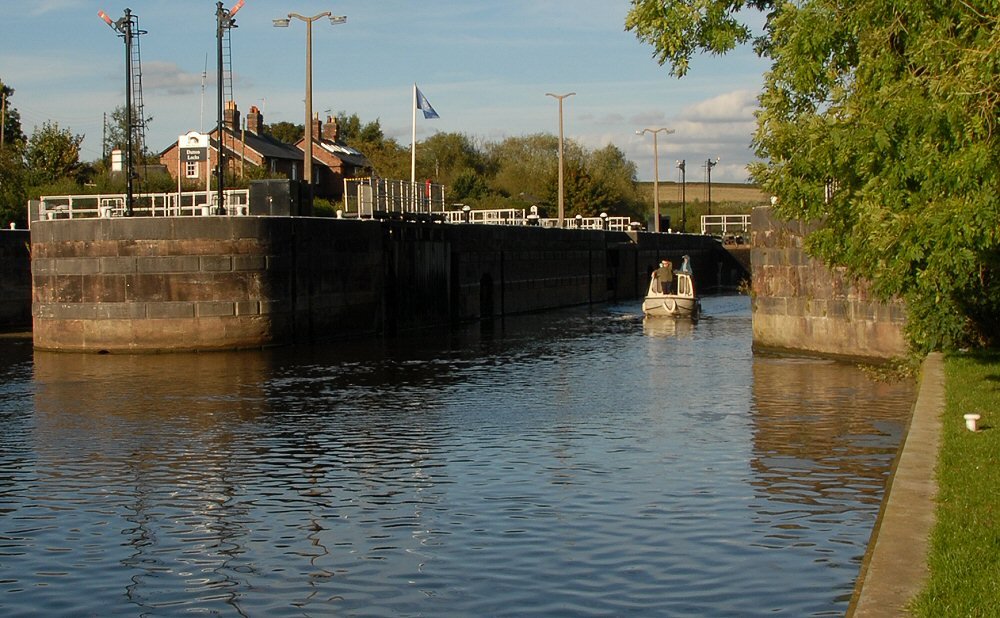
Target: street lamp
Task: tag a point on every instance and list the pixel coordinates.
(656, 173)
(682, 166)
(709, 164)
(560, 98)
(307, 169)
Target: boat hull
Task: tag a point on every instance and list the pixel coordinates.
(670, 306)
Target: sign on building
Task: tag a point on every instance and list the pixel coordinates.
(193, 146)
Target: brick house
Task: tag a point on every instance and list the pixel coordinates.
(332, 160)
(243, 146)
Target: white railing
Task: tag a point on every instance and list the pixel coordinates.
(725, 225)
(363, 197)
(513, 216)
(191, 204)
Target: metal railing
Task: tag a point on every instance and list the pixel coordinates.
(363, 197)
(725, 225)
(513, 216)
(191, 204)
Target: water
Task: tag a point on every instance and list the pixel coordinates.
(570, 463)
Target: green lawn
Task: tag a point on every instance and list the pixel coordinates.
(965, 544)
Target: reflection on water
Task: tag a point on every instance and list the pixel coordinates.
(568, 463)
(668, 327)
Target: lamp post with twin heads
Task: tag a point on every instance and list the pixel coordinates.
(307, 168)
(560, 98)
(656, 173)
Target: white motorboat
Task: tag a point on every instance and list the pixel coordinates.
(681, 302)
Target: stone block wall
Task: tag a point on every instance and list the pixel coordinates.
(203, 283)
(158, 284)
(801, 305)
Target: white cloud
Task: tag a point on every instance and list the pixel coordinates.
(734, 106)
(42, 7)
(167, 77)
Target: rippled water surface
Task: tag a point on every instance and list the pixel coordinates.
(571, 463)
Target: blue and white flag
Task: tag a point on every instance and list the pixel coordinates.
(424, 105)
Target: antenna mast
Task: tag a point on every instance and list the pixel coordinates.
(204, 75)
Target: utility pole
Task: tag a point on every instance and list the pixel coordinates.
(3, 115)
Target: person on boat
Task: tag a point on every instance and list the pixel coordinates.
(665, 276)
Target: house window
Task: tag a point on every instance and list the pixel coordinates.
(191, 169)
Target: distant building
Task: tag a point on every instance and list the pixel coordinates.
(333, 160)
(250, 145)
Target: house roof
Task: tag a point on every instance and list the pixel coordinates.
(263, 144)
(345, 153)
(266, 145)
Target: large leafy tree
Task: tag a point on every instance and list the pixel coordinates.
(11, 127)
(13, 181)
(879, 120)
(443, 155)
(526, 167)
(287, 132)
(52, 153)
(13, 188)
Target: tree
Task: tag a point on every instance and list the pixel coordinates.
(526, 167)
(53, 153)
(350, 129)
(116, 133)
(13, 188)
(446, 156)
(879, 121)
(11, 127)
(677, 29)
(287, 132)
(615, 175)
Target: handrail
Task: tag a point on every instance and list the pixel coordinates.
(721, 225)
(189, 204)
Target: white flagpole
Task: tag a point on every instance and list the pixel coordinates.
(413, 141)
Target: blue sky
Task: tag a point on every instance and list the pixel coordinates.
(485, 66)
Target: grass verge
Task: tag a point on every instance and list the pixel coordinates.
(964, 558)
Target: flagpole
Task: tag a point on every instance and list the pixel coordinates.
(413, 140)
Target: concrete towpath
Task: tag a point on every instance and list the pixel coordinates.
(895, 567)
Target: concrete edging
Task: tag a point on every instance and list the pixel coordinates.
(895, 567)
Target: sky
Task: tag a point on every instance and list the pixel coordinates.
(484, 65)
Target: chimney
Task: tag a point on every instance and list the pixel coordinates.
(330, 129)
(317, 127)
(255, 121)
(231, 116)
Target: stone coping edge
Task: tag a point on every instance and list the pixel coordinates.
(894, 569)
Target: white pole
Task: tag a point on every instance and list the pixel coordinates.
(179, 177)
(413, 142)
